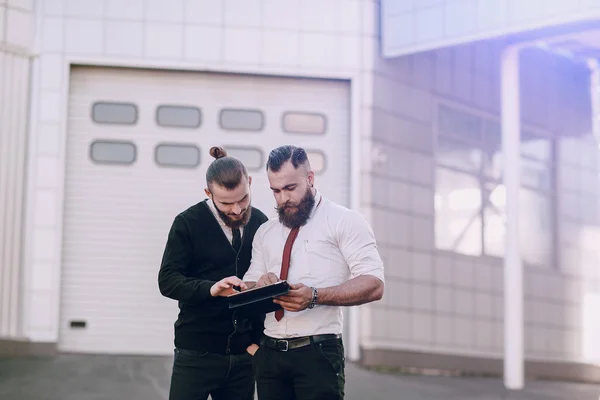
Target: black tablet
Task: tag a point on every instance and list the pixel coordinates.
(258, 300)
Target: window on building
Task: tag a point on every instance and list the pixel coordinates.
(113, 152)
(252, 157)
(304, 123)
(114, 113)
(470, 197)
(241, 119)
(177, 155)
(178, 116)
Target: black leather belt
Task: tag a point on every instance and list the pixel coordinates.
(294, 343)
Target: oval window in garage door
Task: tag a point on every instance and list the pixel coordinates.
(104, 112)
(241, 119)
(304, 123)
(113, 152)
(177, 155)
(178, 116)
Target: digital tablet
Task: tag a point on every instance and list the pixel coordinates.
(258, 300)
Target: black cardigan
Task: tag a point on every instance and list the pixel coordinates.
(197, 255)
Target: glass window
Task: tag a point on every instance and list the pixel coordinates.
(535, 227)
(470, 214)
(457, 154)
(114, 113)
(177, 155)
(241, 120)
(317, 161)
(252, 157)
(532, 145)
(534, 174)
(310, 123)
(112, 152)
(178, 116)
(453, 122)
(458, 212)
(492, 136)
(535, 146)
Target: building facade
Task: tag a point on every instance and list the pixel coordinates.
(109, 109)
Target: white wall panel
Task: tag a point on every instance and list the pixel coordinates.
(16, 33)
(14, 70)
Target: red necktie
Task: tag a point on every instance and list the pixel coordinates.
(285, 263)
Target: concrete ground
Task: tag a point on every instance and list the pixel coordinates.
(84, 377)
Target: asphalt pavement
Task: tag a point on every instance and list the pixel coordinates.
(105, 377)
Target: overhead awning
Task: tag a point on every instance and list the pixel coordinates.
(411, 26)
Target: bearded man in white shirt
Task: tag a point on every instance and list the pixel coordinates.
(334, 262)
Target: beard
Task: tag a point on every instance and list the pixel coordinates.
(295, 215)
(234, 223)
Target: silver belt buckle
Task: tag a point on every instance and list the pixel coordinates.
(287, 344)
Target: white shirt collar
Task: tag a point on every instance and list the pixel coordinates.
(318, 200)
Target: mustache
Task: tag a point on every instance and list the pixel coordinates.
(284, 206)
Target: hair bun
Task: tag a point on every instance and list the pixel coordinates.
(218, 152)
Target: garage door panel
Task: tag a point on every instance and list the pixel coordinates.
(117, 216)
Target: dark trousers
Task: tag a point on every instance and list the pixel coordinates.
(198, 374)
(312, 372)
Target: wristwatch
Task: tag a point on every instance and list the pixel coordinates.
(313, 301)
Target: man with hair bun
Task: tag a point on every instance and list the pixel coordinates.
(207, 252)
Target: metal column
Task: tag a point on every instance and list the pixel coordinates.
(513, 267)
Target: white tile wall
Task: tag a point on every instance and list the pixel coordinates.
(84, 36)
(84, 9)
(203, 43)
(172, 11)
(53, 36)
(242, 46)
(114, 9)
(162, 40)
(205, 12)
(242, 13)
(422, 328)
(18, 27)
(26, 5)
(463, 296)
(49, 139)
(124, 38)
(2, 22)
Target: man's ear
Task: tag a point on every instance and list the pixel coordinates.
(311, 178)
(207, 192)
(249, 180)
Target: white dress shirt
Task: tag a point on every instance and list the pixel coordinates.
(335, 245)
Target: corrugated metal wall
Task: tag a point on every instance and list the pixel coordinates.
(14, 90)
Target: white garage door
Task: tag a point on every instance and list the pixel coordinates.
(137, 154)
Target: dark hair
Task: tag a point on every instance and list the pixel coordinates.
(225, 171)
(296, 155)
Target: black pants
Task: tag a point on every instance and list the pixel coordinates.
(313, 372)
(198, 374)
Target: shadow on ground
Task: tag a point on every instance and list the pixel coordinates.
(85, 377)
